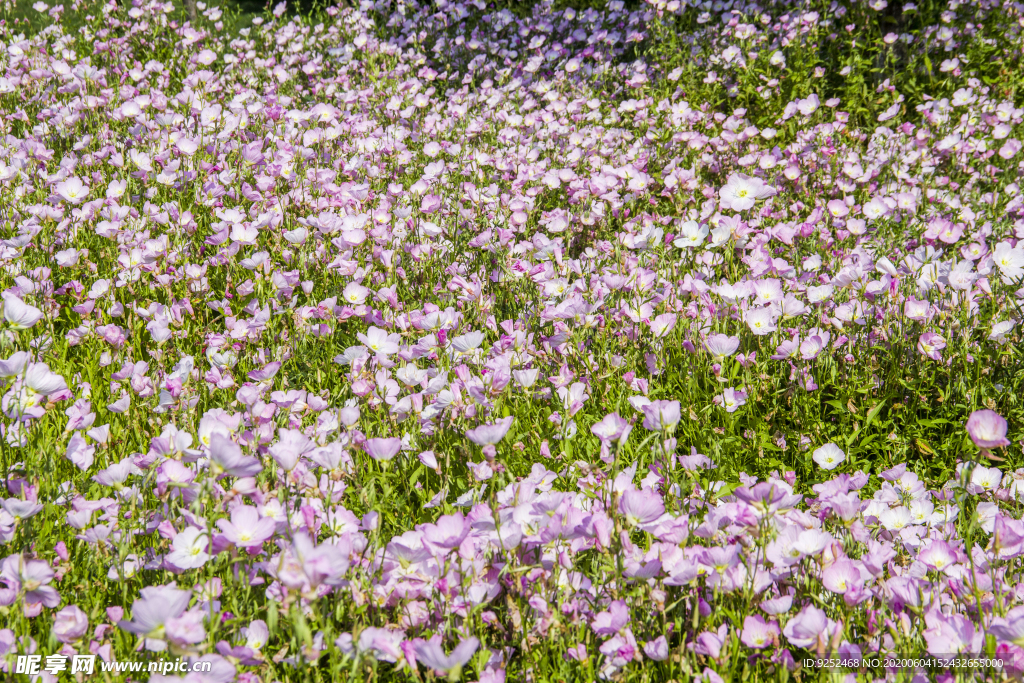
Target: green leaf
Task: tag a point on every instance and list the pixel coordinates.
(728, 488)
(272, 616)
(873, 413)
(416, 475)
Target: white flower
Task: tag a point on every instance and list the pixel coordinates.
(20, 315)
(222, 358)
(188, 549)
(741, 192)
(296, 236)
(691, 234)
(829, 456)
(874, 209)
(986, 477)
(1000, 330)
(467, 342)
(761, 321)
(44, 381)
(896, 518)
(354, 293)
(1009, 261)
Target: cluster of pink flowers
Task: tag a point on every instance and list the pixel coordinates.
(387, 338)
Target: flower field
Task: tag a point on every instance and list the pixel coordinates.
(539, 342)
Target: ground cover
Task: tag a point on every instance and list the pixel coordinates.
(540, 342)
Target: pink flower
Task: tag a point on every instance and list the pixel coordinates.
(875, 209)
(1010, 148)
(187, 629)
(612, 427)
(246, 528)
(379, 341)
(951, 634)
(620, 649)
(808, 105)
(841, 576)
(116, 474)
(930, 344)
(291, 446)
(952, 233)
(657, 649)
(157, 605)
(661, 415)
(252, 153)
(808, 628)
(731, 399)
(431, 655)
(987, 429)
(72, 190)
(21, 509)
(938, 555)
(758, 634)
(430, 203)
(663, 324)
(613, 620)
(1009, 629)
(382, 449)
(43, 381)
(70, 624)
(641, 507)
(490, 434)
(15, 365)
(31, 577)
(226, 458)
(778, 605)
(304, 567)
(811, 347)
(266, 372)
(838, 208)
(761, 320)
(80, 452)
(721, 346)
(448, 532)
(710, 643)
